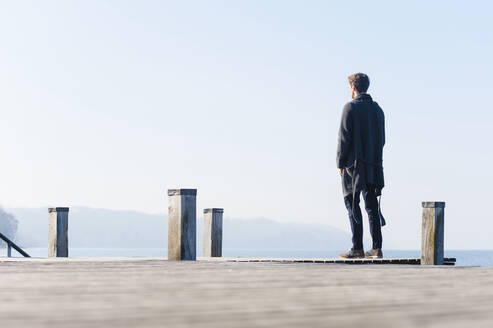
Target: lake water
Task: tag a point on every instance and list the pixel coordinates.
(464, 258)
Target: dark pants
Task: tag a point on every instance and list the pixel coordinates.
(371, 206)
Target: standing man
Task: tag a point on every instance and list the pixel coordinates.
(359, 160)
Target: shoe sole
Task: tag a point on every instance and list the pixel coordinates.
(374, 257)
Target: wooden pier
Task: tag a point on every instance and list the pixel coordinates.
(64, 292)
(240, 292)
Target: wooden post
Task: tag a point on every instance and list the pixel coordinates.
(213, 232)
(58, 232)
(182, 224)
(432, 233)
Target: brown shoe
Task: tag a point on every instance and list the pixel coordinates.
(374, 253)
(353, 254)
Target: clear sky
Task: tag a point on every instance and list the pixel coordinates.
(109, 103)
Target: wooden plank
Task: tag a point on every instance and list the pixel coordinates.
(158, 293)
(406, 261)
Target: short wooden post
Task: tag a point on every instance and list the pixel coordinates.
(432, 235)
(182, 224)
(58, 232)
(213, 232)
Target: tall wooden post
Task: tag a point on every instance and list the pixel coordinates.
(58, 232)
(213, 232)
(432, 235)
(182, 224)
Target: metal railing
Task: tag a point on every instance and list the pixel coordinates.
(10, 245)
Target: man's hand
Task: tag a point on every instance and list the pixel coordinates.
(341, 171)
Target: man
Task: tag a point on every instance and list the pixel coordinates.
(359, 159)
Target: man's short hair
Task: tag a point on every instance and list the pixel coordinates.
(360, 81)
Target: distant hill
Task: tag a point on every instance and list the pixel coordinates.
(102, 228)
(8, 226)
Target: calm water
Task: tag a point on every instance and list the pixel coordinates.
(464, 258)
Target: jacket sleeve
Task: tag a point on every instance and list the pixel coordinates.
(383, 127)
(345, 132)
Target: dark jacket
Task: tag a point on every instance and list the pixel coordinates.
(360, 146)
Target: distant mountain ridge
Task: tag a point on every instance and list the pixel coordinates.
(102, 228)
(8, 226)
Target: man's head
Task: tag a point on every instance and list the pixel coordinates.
(359, 83)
